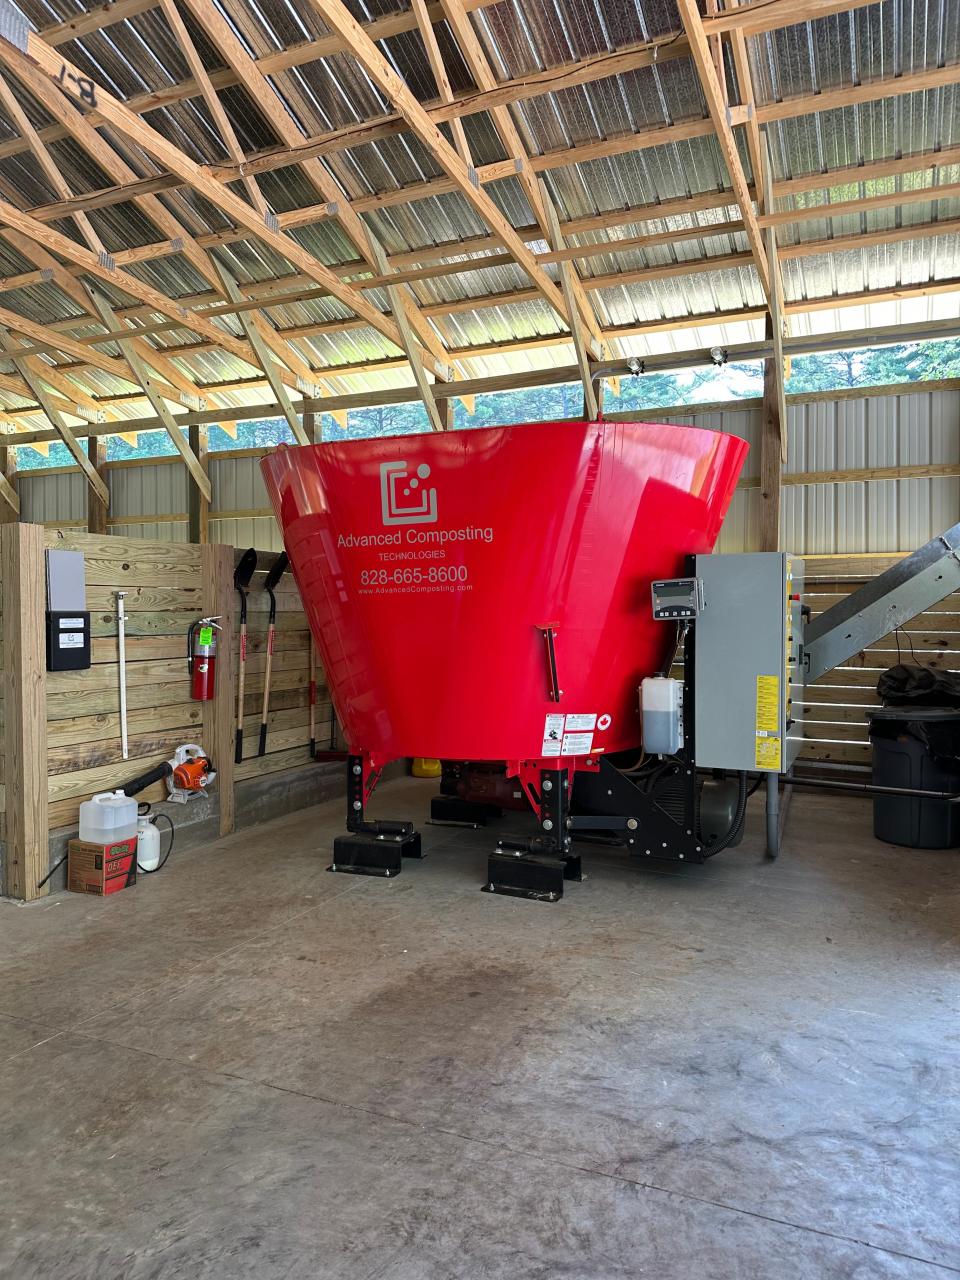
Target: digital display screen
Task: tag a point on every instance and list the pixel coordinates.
(675, 591)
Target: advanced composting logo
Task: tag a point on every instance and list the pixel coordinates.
(404, 498)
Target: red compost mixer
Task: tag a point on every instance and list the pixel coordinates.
(484, 597)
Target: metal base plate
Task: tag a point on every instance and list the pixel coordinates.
(537, 876)
(364, 854)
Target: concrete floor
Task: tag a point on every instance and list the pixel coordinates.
(247, 1067)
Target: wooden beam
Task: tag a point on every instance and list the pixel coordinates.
(219, 713)
(265, 359)
(55, 418)
(591, 406)
(102, 15)
(177, 438)
(716, 102)
(772, 432)
(198, 507)
(576, 301)
(338, 18)
(864, 239)
(229, 138)
(44, 159)
(23, 581)
(440, 77)
(863, 204)
(776, 328)
(97, 510)
(9, 498)
(413, 329)
(93, 266)
(54, 271)
(912, 164)
(767, 15)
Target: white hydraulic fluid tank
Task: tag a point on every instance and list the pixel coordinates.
(661, 705)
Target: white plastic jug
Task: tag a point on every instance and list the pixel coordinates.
(108, 816)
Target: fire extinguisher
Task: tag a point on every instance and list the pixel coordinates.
(202, 658)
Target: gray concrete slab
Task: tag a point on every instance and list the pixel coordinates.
(743, 1069)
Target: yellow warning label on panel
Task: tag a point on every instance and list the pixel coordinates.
(768, 704)
(768, 754)
(768, 723)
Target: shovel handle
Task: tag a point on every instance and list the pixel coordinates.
(262, 748)
(238, 748)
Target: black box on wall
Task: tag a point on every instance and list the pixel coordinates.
(68, 641)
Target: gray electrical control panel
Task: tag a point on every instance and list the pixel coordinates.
(748, 661)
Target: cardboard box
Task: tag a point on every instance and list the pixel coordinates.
(101, 868)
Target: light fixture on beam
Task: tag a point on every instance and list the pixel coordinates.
(718, 355)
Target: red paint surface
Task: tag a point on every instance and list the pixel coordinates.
(429, 635)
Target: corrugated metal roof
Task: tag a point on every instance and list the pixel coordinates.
(898, 37)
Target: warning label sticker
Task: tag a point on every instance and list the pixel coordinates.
(768, 754)
(552, 735)
(768, 748)
(577, 744)
(581, 724)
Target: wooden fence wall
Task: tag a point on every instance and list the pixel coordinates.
(167, 586)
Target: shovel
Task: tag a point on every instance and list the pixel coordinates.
(277, 570)
(241, 580)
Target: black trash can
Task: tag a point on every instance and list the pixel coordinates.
(916, 747)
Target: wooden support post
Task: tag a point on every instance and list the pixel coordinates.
(772, 431)
(219, 714)
(22, 580)
(9, 499)
(97, 509)
(198, 505)
(312, 425)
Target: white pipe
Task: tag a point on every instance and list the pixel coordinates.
(122, 654)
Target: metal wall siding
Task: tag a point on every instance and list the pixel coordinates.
(148, 491)
(260, 532)
(237, 484)
(45, 499)
(883, 431)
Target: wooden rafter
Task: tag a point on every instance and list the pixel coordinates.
(537, 196)
(339, 19)
(266, 362)
(50, 95)
(182, 36)
(52, 268)
(65, 77)
(415, 337)
(151, 391)
(53, 415)
(421, 12)
(715, 95)
(766, 15)
(591, 406)
(910, 164)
